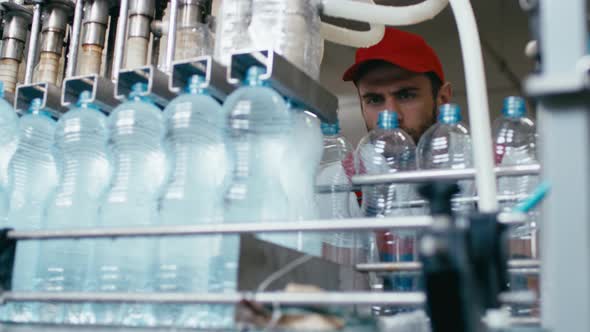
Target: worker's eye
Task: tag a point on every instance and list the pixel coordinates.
(405, 95)
(373, 100)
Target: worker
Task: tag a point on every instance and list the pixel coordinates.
(401, 73)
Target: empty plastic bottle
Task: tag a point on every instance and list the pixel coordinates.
(259, 127)
(447, 145)
(298, 173)
(515, 144)
(139, 171)
(81, 155)
(388, 149)
(8, 143)
(195, 129)
(32, 179)
(335, 197)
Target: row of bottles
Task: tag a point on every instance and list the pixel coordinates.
(197, 162)
(445, 145)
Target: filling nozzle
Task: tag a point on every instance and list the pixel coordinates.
(96, 15)
(13, 43)
(141, 14)
(55, 20)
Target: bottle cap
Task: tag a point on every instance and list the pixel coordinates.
(514, 107)
(387, 120)
(449, 114)
(253, 76)
(330, 129)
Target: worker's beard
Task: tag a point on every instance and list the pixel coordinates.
(416, 133)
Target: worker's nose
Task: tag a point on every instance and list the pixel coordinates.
(392, 105)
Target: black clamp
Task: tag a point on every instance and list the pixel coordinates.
(7, 252)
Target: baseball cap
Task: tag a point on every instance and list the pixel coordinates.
(401, 48)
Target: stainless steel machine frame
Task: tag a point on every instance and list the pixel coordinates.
(564, 126)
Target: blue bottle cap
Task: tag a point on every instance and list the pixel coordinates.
(1, 89)
(330, 129)
(449, 114)
(387, 120)
(137, 89)
(195, 83)
(253, 76)
(35, 105)
(514, 107)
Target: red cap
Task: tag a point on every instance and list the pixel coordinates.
(401, 48)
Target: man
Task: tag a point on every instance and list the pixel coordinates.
(403, 74)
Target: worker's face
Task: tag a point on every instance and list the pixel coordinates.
(407, 93)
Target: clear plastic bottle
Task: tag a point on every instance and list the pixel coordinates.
(8, 144)
(298, 173)
(515, 144)
(139, 165)
(260, 126)
(81, 154)
(195, 129)
(335, 197)
(32, 179)
(388, 149)
(447, 145)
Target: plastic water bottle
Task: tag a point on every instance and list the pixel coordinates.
(447, 145)
(81, 154)
(515, 144)
(195, 129)
(298, 173)
(260, 125)
(388, 149)
(335, 197)
(139, 172)
(32, 178)
(8, 143)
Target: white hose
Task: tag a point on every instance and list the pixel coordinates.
(477, 102)
(9, 73)
(477, 96)
(379, 14)
(353, 38)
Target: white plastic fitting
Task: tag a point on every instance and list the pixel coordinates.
(353, 38)
(379, 14)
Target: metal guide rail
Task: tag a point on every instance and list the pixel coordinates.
(353, 224)
(443, 174)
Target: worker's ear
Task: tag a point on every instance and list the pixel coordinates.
(445, 94)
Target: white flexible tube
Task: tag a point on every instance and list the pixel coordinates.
(477, 102)
(352, 38)
(477, 96)
(379, 14)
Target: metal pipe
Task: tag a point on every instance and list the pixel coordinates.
(171, 37)
(33, 40)
(96, 18)
(404, 299)
(141, 13)
(444, 174)
(120, 40)
(417, 266)
(75, 39)
(311, 225)
(353, 224)
(14, 38)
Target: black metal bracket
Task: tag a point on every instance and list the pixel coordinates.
(7, 252)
